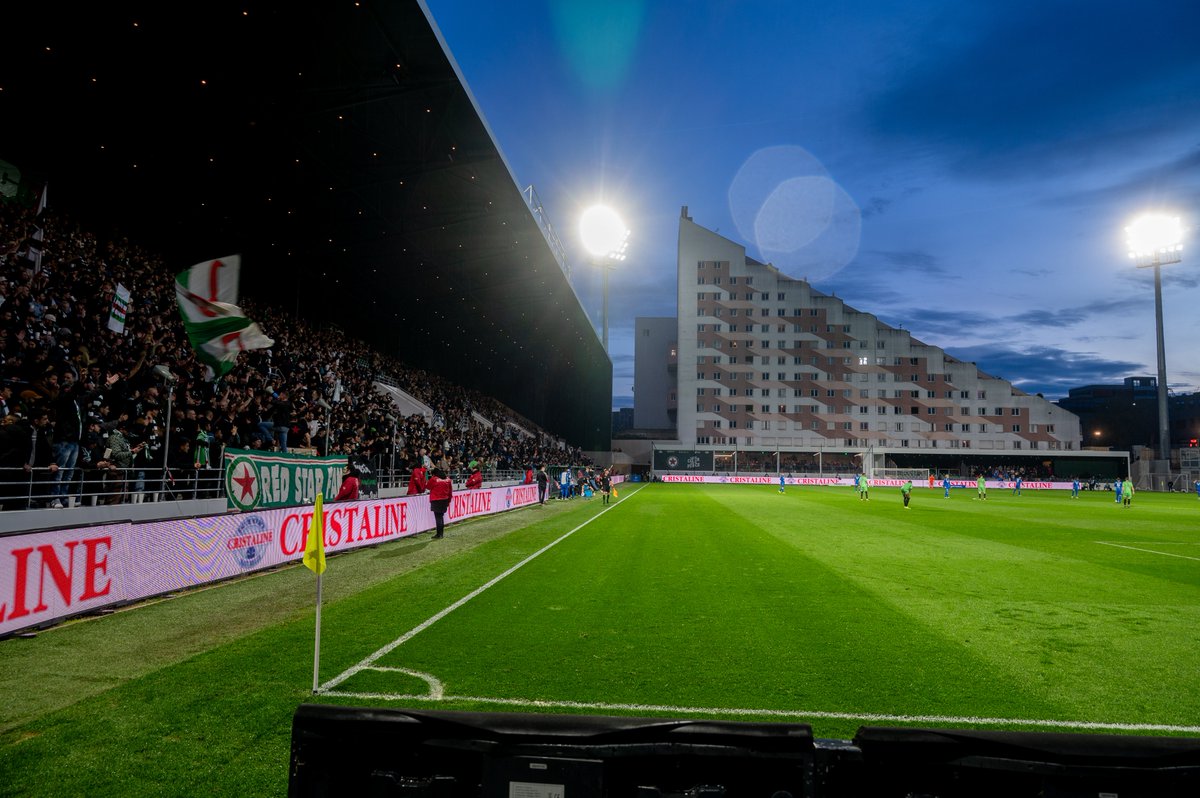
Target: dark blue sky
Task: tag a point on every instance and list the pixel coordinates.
(964, 170)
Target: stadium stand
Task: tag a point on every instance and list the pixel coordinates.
(57, 355)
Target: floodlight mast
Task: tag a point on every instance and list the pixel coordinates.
(1157, 240)
(605, 238)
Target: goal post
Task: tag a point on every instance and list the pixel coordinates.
(915, 474)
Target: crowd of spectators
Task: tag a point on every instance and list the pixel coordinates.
(84, 409)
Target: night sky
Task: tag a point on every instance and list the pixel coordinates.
(963, 170)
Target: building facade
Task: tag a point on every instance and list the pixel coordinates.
(654, 366)
(765, 361)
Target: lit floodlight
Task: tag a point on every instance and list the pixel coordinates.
(1155, 238)
(604, 234)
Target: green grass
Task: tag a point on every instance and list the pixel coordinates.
(699, 600)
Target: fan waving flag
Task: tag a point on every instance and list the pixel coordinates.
(314, 549)
(216, 327)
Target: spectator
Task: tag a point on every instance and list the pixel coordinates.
(26, 459)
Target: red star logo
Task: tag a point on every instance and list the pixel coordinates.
(246, 481)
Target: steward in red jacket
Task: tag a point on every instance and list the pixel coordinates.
(440, 491)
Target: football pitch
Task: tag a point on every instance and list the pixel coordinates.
(1037, 612)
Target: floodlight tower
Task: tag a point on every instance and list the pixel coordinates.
(605, 238)
(1157, 240)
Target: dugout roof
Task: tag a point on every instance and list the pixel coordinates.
(333, 145)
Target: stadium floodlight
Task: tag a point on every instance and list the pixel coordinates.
(605, 238)
(603, 233)
(1156, 239)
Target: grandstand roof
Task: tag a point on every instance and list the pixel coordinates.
(336, 147)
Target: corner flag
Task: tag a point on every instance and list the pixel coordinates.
(314, 549)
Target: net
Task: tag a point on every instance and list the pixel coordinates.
(915, 474)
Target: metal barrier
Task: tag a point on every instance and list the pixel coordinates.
(37, 488)
(22, 489)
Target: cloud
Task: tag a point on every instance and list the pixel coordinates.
(911, 260)
(875, 206)
(1002, 97)
(1065, 317)
(1048, 371)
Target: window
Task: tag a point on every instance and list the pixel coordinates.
(1016, 427)
(699, 328)
(780, 297)
(964, 427)
(1016, 411)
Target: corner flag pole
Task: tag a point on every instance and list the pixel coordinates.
(314, 560)
(317, 643)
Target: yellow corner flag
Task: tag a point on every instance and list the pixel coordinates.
(314, 549)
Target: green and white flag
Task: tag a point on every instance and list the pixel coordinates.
(215, 325)
(120, 308)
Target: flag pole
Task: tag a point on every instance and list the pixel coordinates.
(314, 560)
(317, 645)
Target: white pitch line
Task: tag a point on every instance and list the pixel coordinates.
(411, 633)
(1148, 551)
(869, 717)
